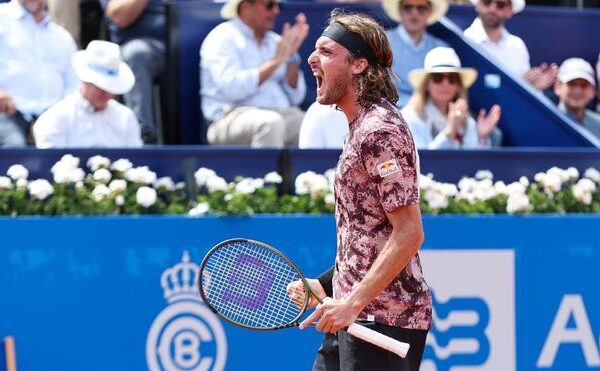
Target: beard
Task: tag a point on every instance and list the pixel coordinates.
(489, 22)
(336, 89)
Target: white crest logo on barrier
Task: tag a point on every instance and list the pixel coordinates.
(186, 335)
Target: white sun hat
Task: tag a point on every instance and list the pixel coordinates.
(101, 64)
(442, 60)
(517, 5)
(230, 9)
(438, 9)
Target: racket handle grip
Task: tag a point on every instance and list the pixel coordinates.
(379, 339)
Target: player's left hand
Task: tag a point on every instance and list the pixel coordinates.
(333, 315)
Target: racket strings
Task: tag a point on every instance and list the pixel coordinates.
(246, 283)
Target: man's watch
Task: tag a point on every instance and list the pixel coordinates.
(294, 59)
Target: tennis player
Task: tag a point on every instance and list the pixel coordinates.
(377, 280)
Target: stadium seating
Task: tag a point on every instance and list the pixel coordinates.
(527, 120)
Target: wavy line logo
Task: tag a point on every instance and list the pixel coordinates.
(458, 333)
(473, 310)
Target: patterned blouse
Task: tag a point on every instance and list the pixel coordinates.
(376, 174)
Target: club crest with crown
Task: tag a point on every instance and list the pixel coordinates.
(186, 335)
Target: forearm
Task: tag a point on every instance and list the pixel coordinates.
(291, 75)
(125, 12)
(402, 245)
(268, 68)
(326, 281)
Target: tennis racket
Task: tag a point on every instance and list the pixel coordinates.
(244, 282)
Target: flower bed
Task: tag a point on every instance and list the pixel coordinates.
(119, 188)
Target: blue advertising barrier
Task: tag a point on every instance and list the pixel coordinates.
(119, 293)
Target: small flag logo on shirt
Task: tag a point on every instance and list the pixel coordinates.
(387, 168)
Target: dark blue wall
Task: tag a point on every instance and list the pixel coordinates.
(180, 162)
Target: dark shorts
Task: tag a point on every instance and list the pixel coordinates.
(344, 352)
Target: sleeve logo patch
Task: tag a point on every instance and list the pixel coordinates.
(388, 168)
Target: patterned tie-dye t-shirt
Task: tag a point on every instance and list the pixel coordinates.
(376, 174)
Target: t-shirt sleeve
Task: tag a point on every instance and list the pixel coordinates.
(392, 162)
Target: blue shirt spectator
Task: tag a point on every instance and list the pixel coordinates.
(409, 40)
(150, 23)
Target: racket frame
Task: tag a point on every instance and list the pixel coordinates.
(308, 290)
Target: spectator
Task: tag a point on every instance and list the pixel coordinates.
(90, 117)
(35, 68)
(67, 14)
(438, 113)
(323, 126)
(410, 40)
(576, 88)
(139, 26)
(508, 50)
(598, 78)
(251, 81)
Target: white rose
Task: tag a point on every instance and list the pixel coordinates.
(21, 183)
(592, 174)
(40, 189)
(303, 182)
(246, 186)
(5, 182)
(201, 175)
(141, 175)
(121, 165)
(436, 200)
(216, 183)
(200, 209)
(484, 174)
(165, 183)
(96, 162)
(100, 192)
(330, 199)
(119, 200)
(118, 185)
(573, 173)
(146, 196)
(17, 172)
(524, 181)
(102, 175)
(65, 175)
(273, 177)
(518, 203)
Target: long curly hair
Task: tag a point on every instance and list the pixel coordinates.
(376, 81)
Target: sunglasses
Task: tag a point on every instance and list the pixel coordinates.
(270, 4)
(499, 4)
(453, 78)
(408, 8)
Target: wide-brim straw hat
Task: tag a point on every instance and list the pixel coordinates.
(442, 60)
(517, 5)
(438, 9)
(229, 10)
(100, 64)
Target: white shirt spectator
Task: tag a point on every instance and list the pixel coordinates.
(323, 127)
(73, 122)
(510, 51)
(35, 60)
(229, 61)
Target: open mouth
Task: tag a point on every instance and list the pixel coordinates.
(319, 80)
